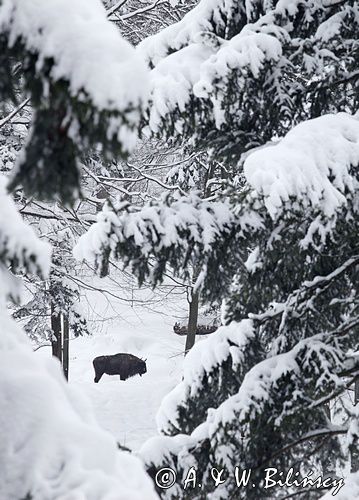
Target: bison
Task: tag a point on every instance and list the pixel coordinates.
(123, 364)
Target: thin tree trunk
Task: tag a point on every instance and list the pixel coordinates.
(192, 321)
(354, 460)
(354, 453)
(194, 303)
(56, 341)
(65, 356)
(329, 465)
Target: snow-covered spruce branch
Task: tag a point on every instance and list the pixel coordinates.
(282, 76)
(90, 98)
(298, 300)
(136, 234)
(264, 400)
(174, 229)
(317, 434)
(310, 356)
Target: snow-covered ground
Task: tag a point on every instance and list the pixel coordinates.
(127, 408)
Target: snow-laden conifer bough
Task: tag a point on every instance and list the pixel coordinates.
(311, 175)
(87, 84)
(87, 87)
(230, 74)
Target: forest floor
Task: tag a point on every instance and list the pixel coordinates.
(128, 408)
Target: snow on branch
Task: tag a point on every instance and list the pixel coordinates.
(314, 165)
(301, 299)
(171, 230)
(19, 246)
(87, 85)
(311, 175)
(176, 36)
(87, 50)
(233, 66)
(229, 344)
(195, 71)
(290, 383)
(312, 357)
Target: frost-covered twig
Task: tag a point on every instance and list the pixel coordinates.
(13, 113)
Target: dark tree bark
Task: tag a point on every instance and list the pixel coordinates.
(354, 458)
(192, 321)
(56, 340)
(60, 340)
(65, 356)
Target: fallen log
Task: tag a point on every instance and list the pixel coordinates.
(201, 329)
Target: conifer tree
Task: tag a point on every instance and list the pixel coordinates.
(231, 75)
(282, 250)
(77, 73)
(72, 111)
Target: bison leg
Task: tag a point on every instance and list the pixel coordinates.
(98, 377)
(123, 377)
(99, 367)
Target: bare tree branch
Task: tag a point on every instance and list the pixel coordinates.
(13, 113)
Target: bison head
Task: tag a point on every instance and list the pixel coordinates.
(142, 368)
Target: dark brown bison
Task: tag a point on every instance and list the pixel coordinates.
(123, 364)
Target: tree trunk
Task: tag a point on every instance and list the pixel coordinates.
(65, 356)
(192, 321)
(354, 452)
(354, 460)
(56, 340)
(329, 464)
(356, 391)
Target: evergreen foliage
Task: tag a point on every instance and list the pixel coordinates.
(51, 446)
(78, 105)
(290, 239)
(232, 74)
(268, 405)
